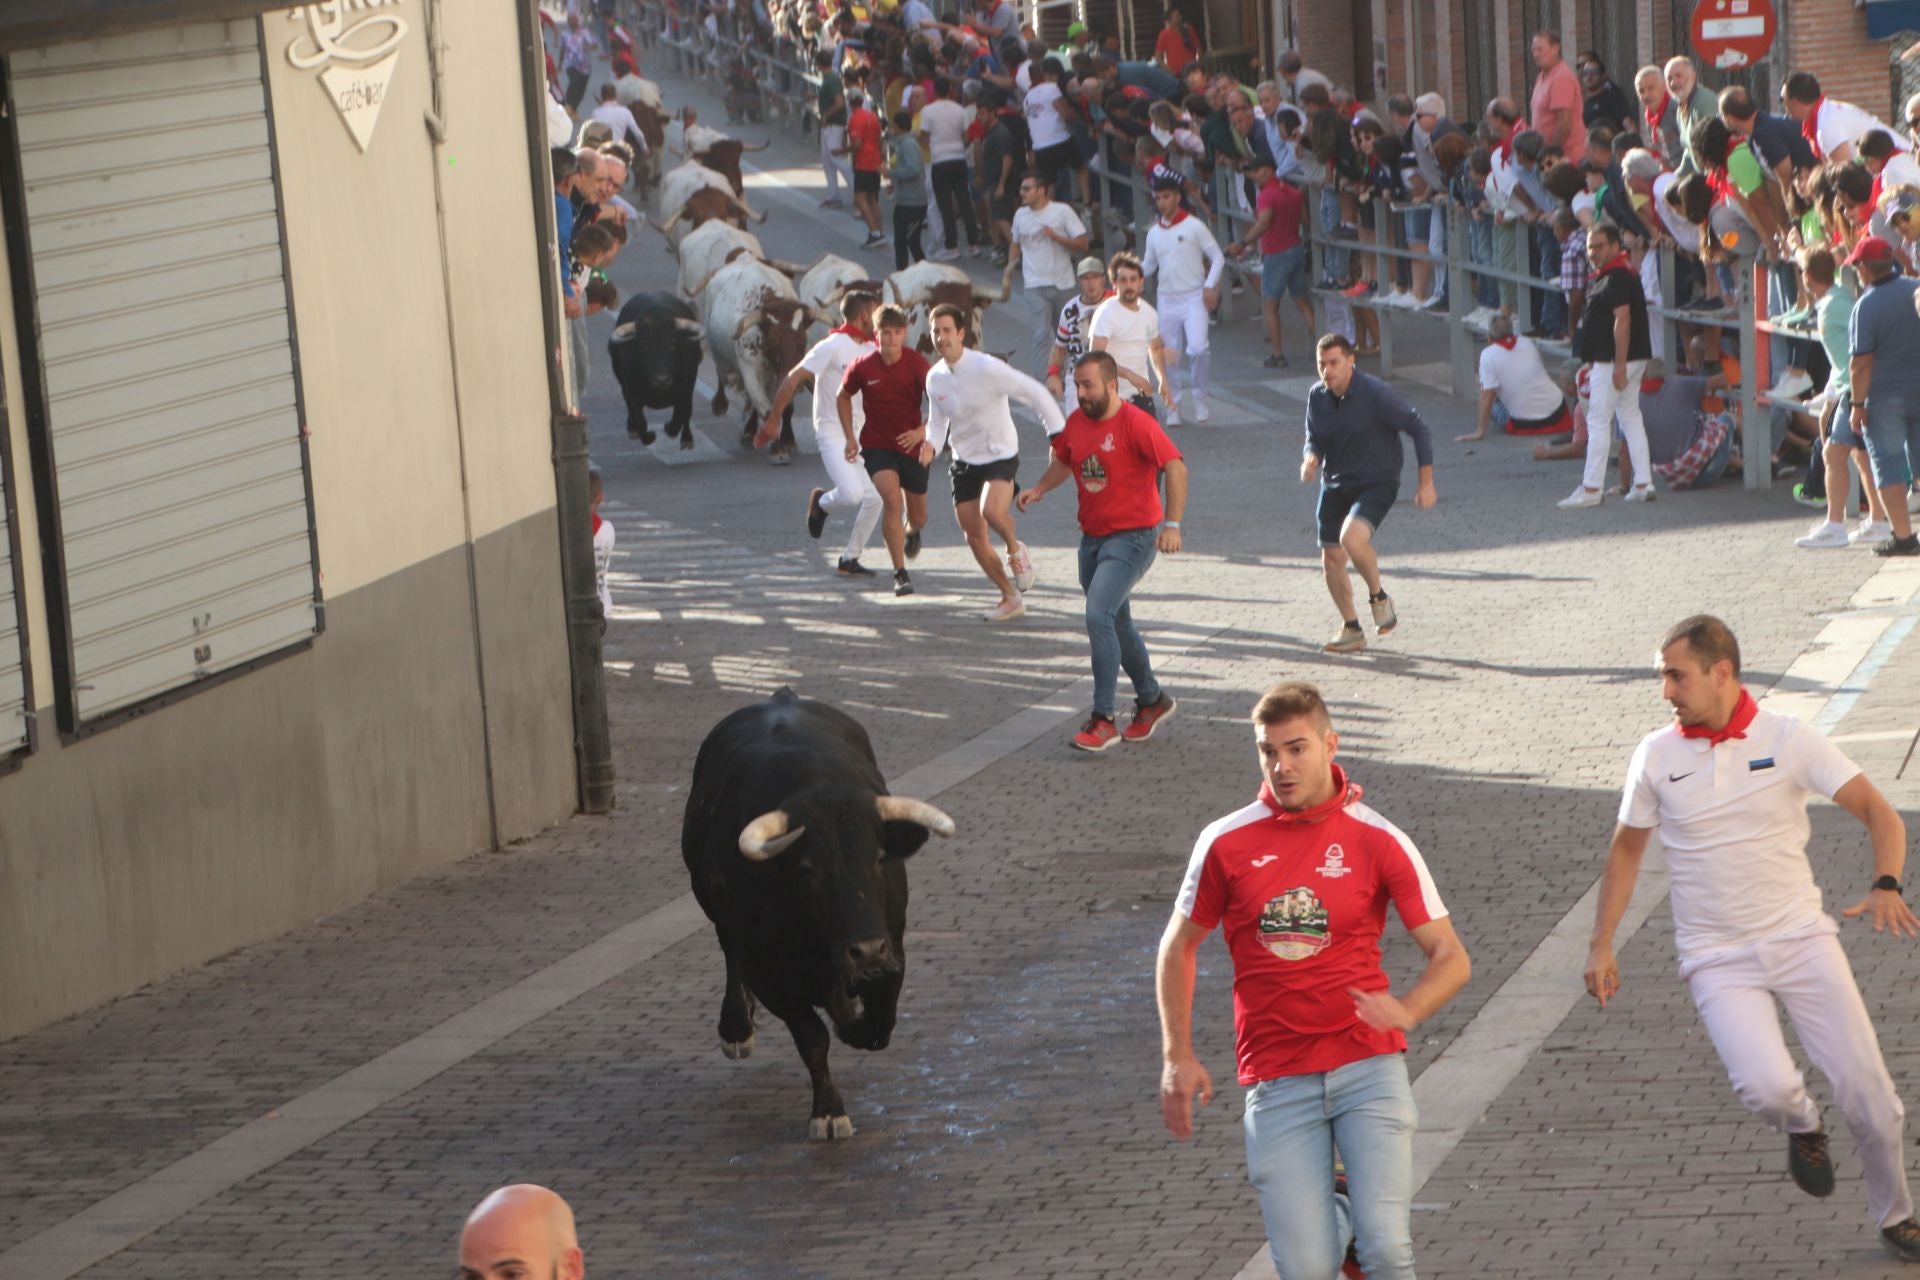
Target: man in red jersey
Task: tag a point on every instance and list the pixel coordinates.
(1301, 879)
(891, 384)
(1116, 454)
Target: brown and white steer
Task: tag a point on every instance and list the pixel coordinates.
(719, 153)
(693, 194)
(756, 331)
(706, 249)
(926, 285)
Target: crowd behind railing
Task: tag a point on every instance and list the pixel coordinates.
(1750, 233)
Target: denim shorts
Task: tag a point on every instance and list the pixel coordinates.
(1419, 224)
(1840, 430)
(1893, 436)
(1284, 273)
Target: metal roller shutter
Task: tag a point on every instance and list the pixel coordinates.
(13, 674)
(153, 218)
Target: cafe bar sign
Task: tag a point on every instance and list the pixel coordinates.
(354, 46)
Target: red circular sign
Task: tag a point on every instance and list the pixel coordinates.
(1729, 35)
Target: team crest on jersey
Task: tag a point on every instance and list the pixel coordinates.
(1093, 473)
(1294, 925)
(1335, 865)
(1106, 446)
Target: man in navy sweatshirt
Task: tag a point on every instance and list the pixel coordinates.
(1354, 422)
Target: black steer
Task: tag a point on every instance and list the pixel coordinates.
(655, 349)
(798, 857)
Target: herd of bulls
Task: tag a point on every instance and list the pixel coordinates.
(798, 856)
(753, 315)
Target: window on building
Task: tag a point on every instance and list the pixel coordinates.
(165, 416)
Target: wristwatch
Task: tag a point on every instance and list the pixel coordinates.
(1887, 883)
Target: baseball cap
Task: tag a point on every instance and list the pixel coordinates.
(1870, 249)
(1902, 205)
(1090, 266)
(1175, 184)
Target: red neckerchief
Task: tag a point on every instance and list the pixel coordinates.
(1651, 386)
(1173, 221)
(1507, 343)
(1873, 196)
(857, 334)
(1618, 262)
(1345, 792)
(1743, 713)
(1720, 185)
(1656, 117)
(1810, 126)
(1505, 150)
(597, 522)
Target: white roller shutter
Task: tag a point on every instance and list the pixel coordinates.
(13, 675)
(167, 350)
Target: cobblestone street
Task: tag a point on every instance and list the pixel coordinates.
(1012, 1129)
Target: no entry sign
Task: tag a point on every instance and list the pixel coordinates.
(1729, 34)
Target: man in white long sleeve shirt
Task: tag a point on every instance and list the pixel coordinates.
(825, 365)
(1186, 257)
(967, 395)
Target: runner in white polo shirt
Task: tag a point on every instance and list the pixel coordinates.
(1188, 260)
(825, 365)
(1726, 785)
(967, 395)
(1127, 328)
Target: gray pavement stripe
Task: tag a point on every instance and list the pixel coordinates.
(120, 1220)
(1458, 1087)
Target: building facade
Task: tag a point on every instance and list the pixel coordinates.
(281, 616)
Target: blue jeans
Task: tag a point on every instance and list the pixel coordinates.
(1480, 252)
(1109, 567)
(1336, 257)
(1293, 1125)
(1553, 304)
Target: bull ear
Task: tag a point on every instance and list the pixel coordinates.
(767, 836)
(902, 839)
(624, 332)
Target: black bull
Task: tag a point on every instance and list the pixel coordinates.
(655, 351)
(797, 855)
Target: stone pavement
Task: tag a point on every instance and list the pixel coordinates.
(1012, 1128)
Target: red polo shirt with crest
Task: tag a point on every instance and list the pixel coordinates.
(1303, 899)
(1116, 464)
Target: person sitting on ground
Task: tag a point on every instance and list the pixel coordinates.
(1515, 389)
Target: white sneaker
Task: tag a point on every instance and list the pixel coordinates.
(1827, 533)
(1020, 565)
(1201, 414)
(1867, 533)
(1639, 493)
(1582, 497)
(1792, 385)
(1006, 611)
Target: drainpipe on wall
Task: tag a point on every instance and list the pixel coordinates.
(592, 739)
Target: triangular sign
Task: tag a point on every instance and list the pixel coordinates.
(357, 93)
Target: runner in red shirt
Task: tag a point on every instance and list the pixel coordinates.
(868, 157)
(1300, 880)
(1116, 454)
(892, 385)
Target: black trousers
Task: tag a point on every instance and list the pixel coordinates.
(576, 88)
(951, 194)
(909, 220)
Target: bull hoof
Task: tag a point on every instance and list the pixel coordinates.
(641, 434)
(720, 401)
(686, 438)
(828, 1128)
(737, 1049)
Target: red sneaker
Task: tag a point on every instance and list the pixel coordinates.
(1146, 719)
(1350, 1269)
(1097, 734)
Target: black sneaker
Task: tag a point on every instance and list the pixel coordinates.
(816, 514)
(1907, 546)
(854, 569)
(913, 544)
(902, 584)
(1903, 1239)
(1809, 1163)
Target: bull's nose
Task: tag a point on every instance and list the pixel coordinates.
(869, 954)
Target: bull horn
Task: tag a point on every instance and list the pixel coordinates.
(1006, 284)
(740, 203)
(894, 290)
(685, 325)
(666, 228)
(624, 332)
(746, 146)
(785, 268)
(767, 836)
(824, 316)
(748, 321)
(901, 809)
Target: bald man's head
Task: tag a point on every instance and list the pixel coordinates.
(521, 1232)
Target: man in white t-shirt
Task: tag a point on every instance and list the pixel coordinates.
(1727, 784)
(1048, 118)
(1836, 127)
(943, 123)
(825, 365)
(1128, 329)
(1046, 236)
(1516, 388)
(1188, 260)
(613, 114)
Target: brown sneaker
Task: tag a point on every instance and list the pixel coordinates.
(1809, 1162)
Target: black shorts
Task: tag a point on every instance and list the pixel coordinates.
(1002, 208)
(1051, 160)
(913, 476)
(970, 479)
(866, 182)
(1370, 502)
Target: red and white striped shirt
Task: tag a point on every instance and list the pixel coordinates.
(1303, 899)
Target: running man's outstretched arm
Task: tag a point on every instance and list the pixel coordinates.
(1889, 834)
(1056, 474)
(789, 387)
(1616, 892)
(1015, 385)
(1402, 416)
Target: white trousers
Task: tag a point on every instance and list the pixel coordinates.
(852, 490)
(1603, 406)
(1807, 972)
(1183, 328)
(832, 137)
